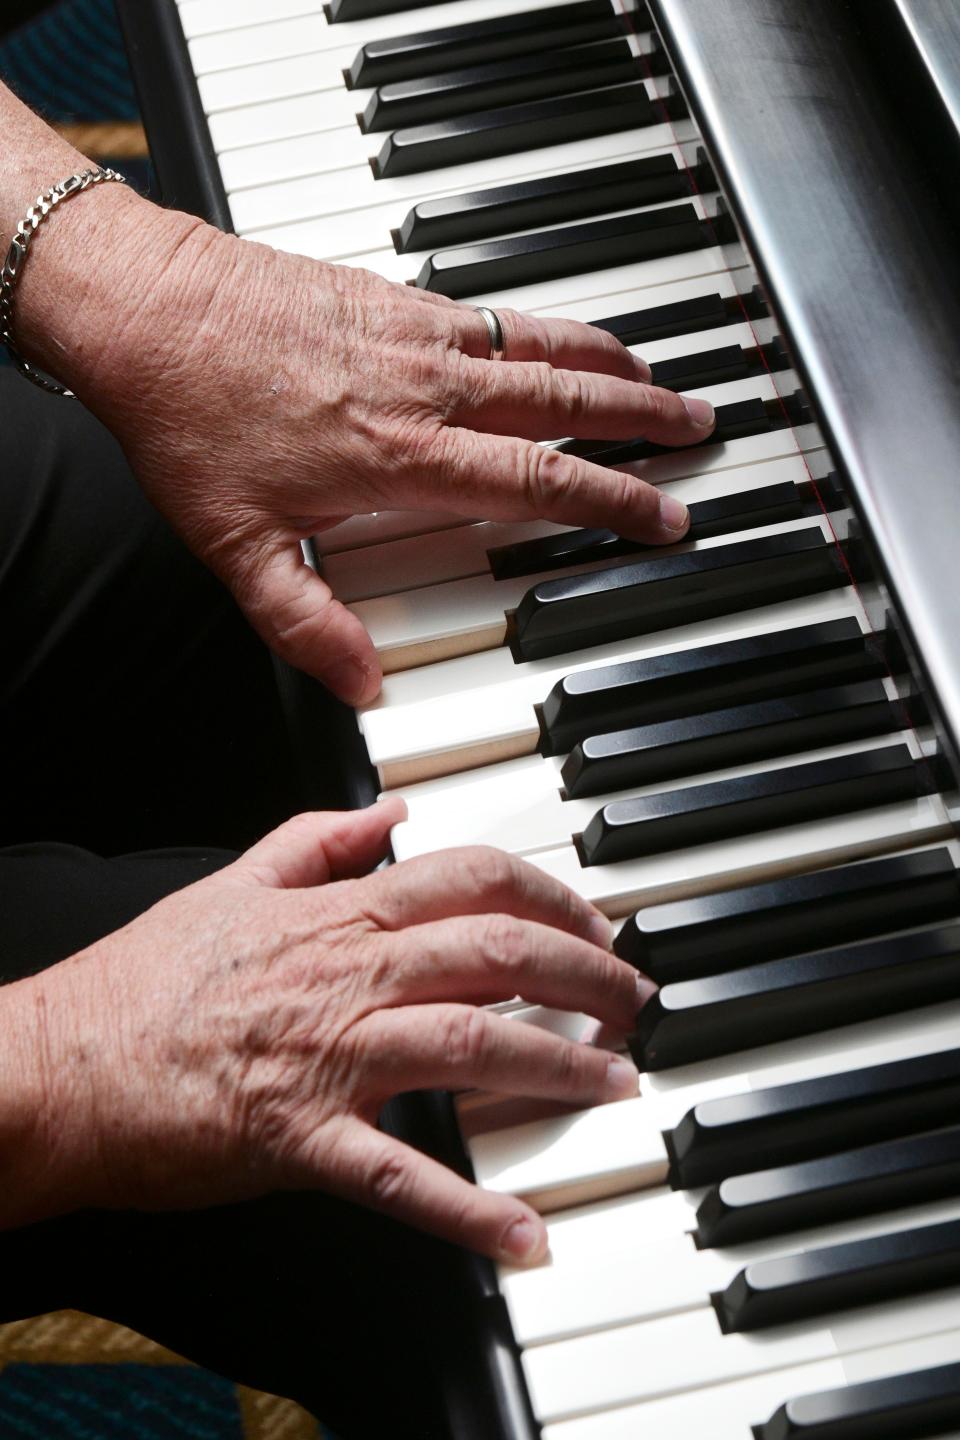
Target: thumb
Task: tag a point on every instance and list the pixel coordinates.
(296, 614)
(319, 846)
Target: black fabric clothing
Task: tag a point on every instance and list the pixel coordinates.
(142, 745)
(137, 708)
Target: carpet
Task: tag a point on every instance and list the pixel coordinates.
(69, 1376)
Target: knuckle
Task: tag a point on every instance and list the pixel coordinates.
(466, 387)
(575, 393)
(387, 1181)
(466, 1039)
(411, 441)
(618, 978)
(656, 403)
(542, 378)
(638, 496)
(572, 1066)
(492, 871)
(546, 477)
(502, 944)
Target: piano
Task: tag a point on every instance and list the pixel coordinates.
(744, 749)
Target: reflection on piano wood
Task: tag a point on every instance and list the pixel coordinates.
(739, 747)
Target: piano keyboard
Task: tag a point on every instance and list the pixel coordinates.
(704, 740)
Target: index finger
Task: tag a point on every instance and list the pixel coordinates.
(477, 880)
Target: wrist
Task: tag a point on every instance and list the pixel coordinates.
(85, 298)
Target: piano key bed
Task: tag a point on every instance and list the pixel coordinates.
(707, 741)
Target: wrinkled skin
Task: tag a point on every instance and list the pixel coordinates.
(261, 397)
(243, 1035)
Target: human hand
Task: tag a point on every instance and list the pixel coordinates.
(243, 1035)
(261, 397)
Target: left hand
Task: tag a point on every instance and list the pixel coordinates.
(244, 1034)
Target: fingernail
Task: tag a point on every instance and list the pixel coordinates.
(523, 1240)
(674, 515)
(392, 798)
(623, 1079)
(600, 931)
(645, 989)
(349, 679)
(700, 411)
(643, 370)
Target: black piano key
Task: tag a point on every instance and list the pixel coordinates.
(706, 677)
(336, 10)
(402, 57)
(903, 1407)
(864, 1272)
(686, 939)
(506, 82)
(907, 1171)
(733, 422)
(485, 134)
(760, 1004)
(453, 219)
(721, 809)
(766, 505)
(663, 322)
(708, 367)
(685, 317)
(789, 1123)
(573, 611)
(719, 738)
(566, 250)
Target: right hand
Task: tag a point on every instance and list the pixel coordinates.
(243, 1035)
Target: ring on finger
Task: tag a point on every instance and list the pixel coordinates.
(495, 331)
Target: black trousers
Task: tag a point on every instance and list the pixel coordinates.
(141, 746)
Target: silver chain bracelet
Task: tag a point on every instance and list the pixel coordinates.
(17, 254)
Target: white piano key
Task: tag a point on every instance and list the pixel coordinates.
(729, 1411)
(340, 141)
(518, 805)
(369, 224)
(253, 127)
(669, 1094)
(271, 163)
(343, 183)
(383, 526)
(659, 1278)
(686, 1351)
(305, 74)
(437, 622)
(479, 709)
(652, 1276)
(552, 1163)
(618, 889)
(424, 626)
(405, 268)
(206, 17)
(639, 1223)
(263, 120)
(926, 1031)
(606, 302)
(420, 560)
(253, 45)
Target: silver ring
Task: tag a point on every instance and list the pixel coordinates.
(495, 330)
